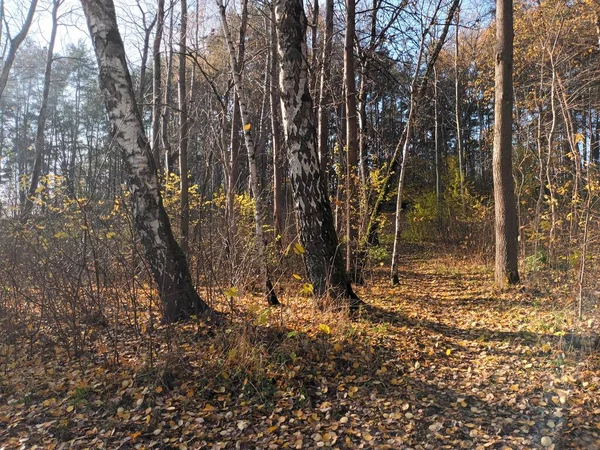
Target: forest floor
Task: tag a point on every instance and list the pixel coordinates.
(443, 360)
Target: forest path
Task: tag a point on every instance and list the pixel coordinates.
(442, 361)
(492, 369)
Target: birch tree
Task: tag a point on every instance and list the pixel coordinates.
(323, 258)
(251, 149)
(166, 260)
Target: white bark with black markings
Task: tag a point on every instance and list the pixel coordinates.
(323, 258)
(164, 256)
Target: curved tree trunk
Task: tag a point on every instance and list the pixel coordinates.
(164, 256)
(323, 258)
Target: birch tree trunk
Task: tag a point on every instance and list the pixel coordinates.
(278, 151)
(251, 148)
(323, 258)
(507, 231)
(164, 256)
(184, 126)
(41, 126)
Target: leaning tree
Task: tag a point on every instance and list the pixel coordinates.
(164, 256)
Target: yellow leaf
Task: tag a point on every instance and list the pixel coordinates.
(61, 234)
(366, 436)
(296, 276)
(324, 328)
(110, 235)
(448, 352)
(298, 249)
(69, 408)
(232, 292)
(247, 127)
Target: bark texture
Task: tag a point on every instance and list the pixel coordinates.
(504, 191)
(164, 256)
(323, 258)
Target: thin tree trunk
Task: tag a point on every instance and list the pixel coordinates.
(145, 50)
(457, 108)
(373, 223)
(407, 141)
(236, 68)
(322, 256)
(184, 126)
(436, 137)
(325, 94)
(351, 143)
(156, 82)
(41, 126)
(278, 150)
(14, 46)
(507, 231)
(164, 256)
(166, 115)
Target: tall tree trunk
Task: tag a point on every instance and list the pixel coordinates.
(325, 93)
(41, 125)
(236, 69)
(278, 150)
(166, 114)
(14, 45)
(323, 259)
(164, 256)
(145, 51)
(184, 127)
(351, 143)
(236, 125)
(401, 177)
(438, 162)
(457, 109)
(373, 222)
(156, 82)
(504, 192)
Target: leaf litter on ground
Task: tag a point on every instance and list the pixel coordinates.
(444, 360)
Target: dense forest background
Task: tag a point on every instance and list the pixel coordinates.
(403, 113)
